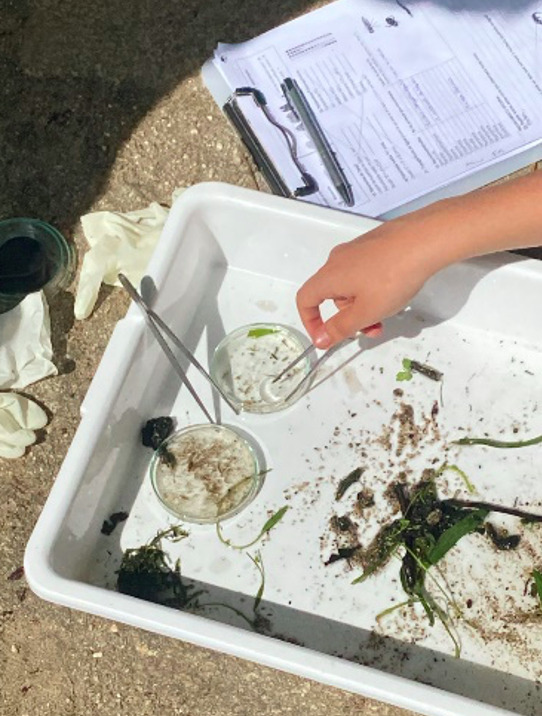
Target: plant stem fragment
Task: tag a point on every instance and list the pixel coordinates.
(479, 505)
(426, 370)
(463, 475)
(489, 442)
(413, 366)
(258, 563)
(348, 481)
(268, 526)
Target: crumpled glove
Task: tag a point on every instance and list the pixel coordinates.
(19, 417)
(119, 243)
(25, 343)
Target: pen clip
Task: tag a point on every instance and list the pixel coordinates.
(296, 99)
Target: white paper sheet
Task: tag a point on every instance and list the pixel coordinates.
(412, 96)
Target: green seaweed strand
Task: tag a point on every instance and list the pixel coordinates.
(271, 522)
(463, 475)
(499, 443)
(537, 576)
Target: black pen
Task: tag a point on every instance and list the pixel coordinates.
(298, 102)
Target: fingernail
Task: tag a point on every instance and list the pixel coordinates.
(322, 339)
(373, 331)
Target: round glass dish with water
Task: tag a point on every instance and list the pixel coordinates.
(205, 473)
(33, 256)
(247, 360)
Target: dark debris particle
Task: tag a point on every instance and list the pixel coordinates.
(16, 574)
(342, 524)
(342, 553)
(155, 431)
(365, 498)
(501, 539)
(345, 523)
(112, 521)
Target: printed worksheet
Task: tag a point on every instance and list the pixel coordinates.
(411, 96)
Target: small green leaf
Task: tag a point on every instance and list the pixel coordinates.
(537, 576)
(406, 373)
(272, 521)
(259, 332)
(450, 537)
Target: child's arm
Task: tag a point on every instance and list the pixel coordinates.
(377, 274)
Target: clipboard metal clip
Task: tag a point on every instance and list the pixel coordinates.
(276, 182)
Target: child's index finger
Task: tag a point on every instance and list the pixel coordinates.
(311, 318)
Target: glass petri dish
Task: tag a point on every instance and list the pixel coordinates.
(33, 256)
(246, 361)
(205, 473)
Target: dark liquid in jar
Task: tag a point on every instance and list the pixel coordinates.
(24, 266)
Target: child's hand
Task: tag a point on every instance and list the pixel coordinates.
(377, 274)
(369, 279)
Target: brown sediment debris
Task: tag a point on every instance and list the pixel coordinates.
(364, 499)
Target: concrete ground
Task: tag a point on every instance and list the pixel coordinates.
(102, 107)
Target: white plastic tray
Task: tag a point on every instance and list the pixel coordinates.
(228, 257)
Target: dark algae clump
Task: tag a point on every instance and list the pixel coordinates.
(426, 531)
(145, 573)
(155, 431)
(342, 553)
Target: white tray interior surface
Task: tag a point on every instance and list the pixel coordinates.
(229, 257)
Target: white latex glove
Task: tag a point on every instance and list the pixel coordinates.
(119, 243)
(25, 343)
(19, 417)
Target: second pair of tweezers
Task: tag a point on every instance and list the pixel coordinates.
(159, 327)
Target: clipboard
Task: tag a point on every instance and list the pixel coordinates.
(470, 179)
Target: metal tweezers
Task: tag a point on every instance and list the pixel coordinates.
(157, 327)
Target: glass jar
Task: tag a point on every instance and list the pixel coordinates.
(33, 256)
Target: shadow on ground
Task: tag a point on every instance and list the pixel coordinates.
(78, 76)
